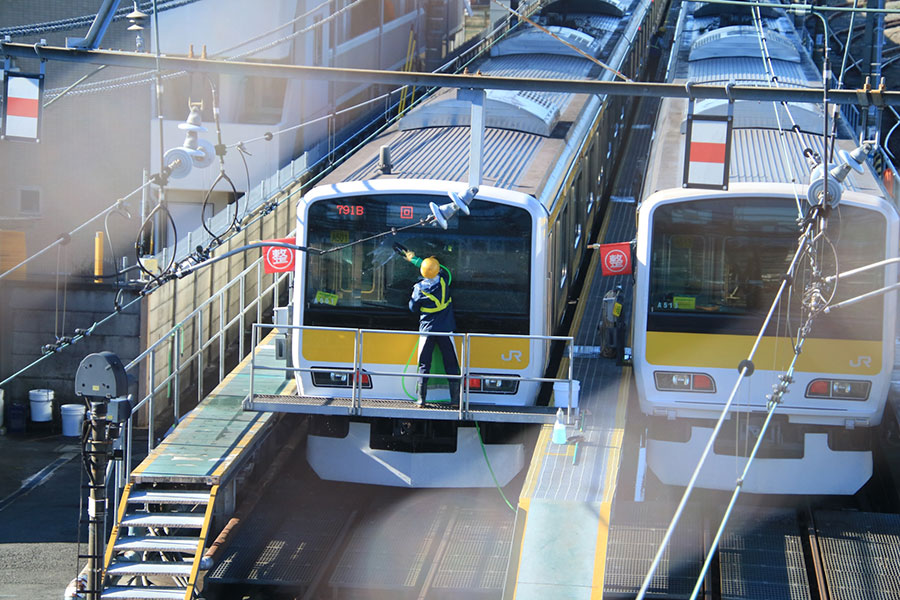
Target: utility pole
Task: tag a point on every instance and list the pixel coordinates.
(97, 455)
(101, 377)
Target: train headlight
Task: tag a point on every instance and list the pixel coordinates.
(674, 381)
(485, 384)
(343, 378)
(839, 389)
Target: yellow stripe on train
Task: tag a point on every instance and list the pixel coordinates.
(697, 350)
(397, 349)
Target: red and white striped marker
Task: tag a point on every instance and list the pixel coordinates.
(22, 107)
(706, 153)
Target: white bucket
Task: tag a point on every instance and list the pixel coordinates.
(41, 405)
(72, 416)
(561, 393)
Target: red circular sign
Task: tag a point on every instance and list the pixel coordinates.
(279, 259)
(616, 261)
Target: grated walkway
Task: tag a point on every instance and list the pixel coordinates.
(209, 441)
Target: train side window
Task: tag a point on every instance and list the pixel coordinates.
(575, 215)
(593, 174)
(561, 246)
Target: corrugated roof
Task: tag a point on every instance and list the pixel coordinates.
(534, 41)
(528, 112)
(757, 155)
(769, 115)
(443, 153)
(745, 70)
(609, 7)
(741, 40)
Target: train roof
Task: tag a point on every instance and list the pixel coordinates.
(768, 139)
(526, 132)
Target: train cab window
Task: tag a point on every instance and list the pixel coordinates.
(716, 264)
(368, 285)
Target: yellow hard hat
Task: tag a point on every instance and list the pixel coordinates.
(430, 267)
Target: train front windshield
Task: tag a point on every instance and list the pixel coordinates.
(368, 285)
(716, 266)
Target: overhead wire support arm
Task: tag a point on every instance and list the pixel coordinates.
(400, 78)
(851, 272)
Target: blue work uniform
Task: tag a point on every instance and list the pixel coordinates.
(431, 299)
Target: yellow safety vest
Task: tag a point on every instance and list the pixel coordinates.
(439, 305)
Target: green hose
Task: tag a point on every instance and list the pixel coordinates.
(488, 462)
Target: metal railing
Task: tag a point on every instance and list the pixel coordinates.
(356, 388)
(172, 342)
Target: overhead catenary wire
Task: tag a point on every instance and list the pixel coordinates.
(375, 76)
(81, 21)
(271, 134)
(804, 9)
(148, 76)
(81, 333)
(773, 401)
(744, 369)
(64, 238)
(222, 176)
(773, 78)
(77, 337)
(562, 41)
(813, 303)
(161, 206)
(770, 412)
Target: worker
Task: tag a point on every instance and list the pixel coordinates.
(431, 299)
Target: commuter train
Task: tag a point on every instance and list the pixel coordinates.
(712, 252)
(547, 159)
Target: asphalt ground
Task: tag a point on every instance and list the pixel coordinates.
(40, 485)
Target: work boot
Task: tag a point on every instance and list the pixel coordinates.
(454, 392)
(421, 392)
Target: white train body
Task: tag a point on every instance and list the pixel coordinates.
(709, 264)
(547, 159)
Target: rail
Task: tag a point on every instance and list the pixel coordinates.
(169, 346)
(353, 405)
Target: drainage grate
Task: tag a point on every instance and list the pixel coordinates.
(635, 534)
(860, 554)
(476, 553)
(389, 552)
(279, 550)
(761, 556)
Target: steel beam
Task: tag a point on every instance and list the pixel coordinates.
(614, 88)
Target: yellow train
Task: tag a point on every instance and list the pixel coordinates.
(710, 261)
(546, 162)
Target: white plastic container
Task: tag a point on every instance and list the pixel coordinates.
(41, 405)
(561, 393)
(72, 417)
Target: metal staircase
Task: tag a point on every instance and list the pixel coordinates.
(155, 551)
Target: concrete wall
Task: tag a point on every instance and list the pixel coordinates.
(31, 315)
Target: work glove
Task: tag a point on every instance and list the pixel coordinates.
(409, 255)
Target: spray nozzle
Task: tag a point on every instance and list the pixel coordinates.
(400, 249)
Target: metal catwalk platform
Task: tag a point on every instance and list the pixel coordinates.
(564, 509)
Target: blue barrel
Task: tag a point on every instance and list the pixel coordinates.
(16, 417)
